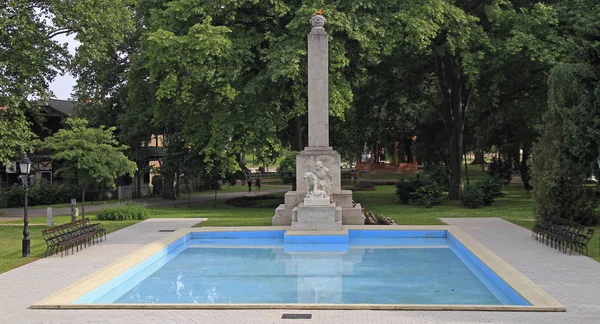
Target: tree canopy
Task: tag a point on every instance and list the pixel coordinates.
(89, 156)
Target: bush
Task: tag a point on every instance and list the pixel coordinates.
(363, 186)
(66, 191)
(419, 192)
(127, 210)
(491, 188)
(428, 195)
(287, 167)
(440, 176)
(43, 193)
(266, 201)
(472, 196)
(15, 196)
(405, 189)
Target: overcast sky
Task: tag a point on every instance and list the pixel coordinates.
(63, 84)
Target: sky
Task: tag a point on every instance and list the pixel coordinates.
(63, 84)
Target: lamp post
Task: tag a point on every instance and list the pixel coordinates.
(25, 166)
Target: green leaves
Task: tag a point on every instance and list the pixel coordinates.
(88, 155)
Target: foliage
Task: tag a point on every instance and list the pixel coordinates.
(491, 188)
(17, 137)
(440, 176)
(43, 193)
(15, 196)
(363, 186)
(500, 169)
(482, 193)
(263, 201)
(419, 192)
(287, 167)
(32, 56)
(568, 148)
(472, 196)
(405, 189)
(428, 195)
(127, 210)
(88, 155)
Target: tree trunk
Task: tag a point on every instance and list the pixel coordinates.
(178, 185)
(466, 169)
(479, 158)
(139, 183)
(452, 112)
(168, 189)
(524, 168)
(83, 203)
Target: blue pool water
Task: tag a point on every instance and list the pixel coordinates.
(263, 267)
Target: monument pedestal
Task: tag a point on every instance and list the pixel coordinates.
(317, 214)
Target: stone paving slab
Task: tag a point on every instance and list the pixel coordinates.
(572, 280)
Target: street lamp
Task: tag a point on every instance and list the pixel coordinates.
(25, 166)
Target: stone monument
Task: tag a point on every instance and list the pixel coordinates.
(318, 203)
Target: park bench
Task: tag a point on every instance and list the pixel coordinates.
(563, 235)
(77, 234)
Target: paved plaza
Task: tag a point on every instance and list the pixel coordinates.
(572, 280)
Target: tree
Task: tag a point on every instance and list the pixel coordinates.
(16, 135)
(88, 155)
(566, 153)
(456, 39)
(31, 58)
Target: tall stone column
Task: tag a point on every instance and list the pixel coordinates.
(321, 209)
(318, 84)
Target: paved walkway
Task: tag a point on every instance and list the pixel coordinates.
(17, 213)
(572, 280)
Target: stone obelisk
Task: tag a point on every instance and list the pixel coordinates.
(318, 203)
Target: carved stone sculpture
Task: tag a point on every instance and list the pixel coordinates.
(319, 182)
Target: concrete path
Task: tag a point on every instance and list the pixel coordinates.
(17, 213)
(572, 280)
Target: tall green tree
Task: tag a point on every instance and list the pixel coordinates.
(568, 149)
(456, 39)
(31, 57)
(88, 156)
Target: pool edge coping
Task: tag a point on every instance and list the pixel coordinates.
(539, 299)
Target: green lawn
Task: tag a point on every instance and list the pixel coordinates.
(516, 206)
(11, 238)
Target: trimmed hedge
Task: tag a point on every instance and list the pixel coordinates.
(127, 210)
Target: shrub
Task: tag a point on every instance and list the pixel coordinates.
(127, 210)
(428, 195)
(440, 176)
(15, 195)
(491, 188)
(405, 189)
(66, 191)
(472, 196)
(287, 167)
(3, 196)
(266, 201)
(363, 186)
(43, 193)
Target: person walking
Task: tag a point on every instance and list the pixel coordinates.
(257, 183)
(248, 174)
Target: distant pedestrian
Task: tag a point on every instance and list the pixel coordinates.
(352, 175)
(248, 175)
(257, 183)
